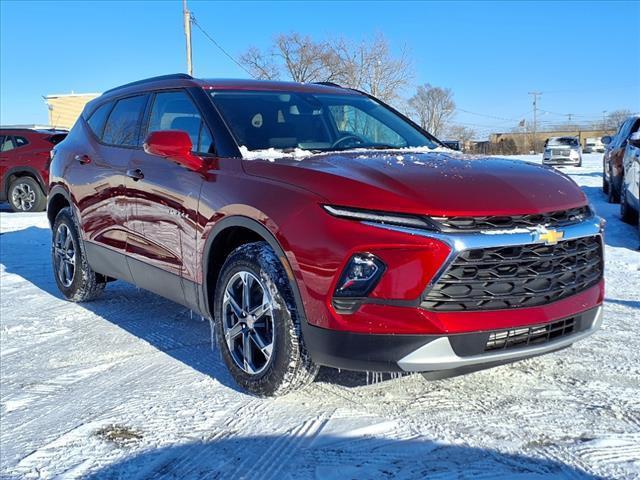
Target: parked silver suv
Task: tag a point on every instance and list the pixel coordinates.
(562, 151)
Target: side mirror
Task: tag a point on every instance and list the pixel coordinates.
(174, 145)
(634, 139)
(606, 139)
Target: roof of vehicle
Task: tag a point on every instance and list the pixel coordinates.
(184, 80)
(33, 129)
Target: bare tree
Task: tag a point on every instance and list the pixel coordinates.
(368, 66)
(432, 107)
(617, 118)
(460, 132)
(260, 64)
(297, 57)
(304, 59)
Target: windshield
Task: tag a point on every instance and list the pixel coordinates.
(314, 121)
(570, 141)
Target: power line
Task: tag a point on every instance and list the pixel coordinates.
(195, 22)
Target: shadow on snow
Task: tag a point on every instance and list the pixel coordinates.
(333, 457)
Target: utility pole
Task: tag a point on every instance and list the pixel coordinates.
(187, 32)
(604, 120)
(535, 119)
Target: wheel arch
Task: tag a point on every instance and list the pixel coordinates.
(58, 199)
(228, 234)
(16, 172)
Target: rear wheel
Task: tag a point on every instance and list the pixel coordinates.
(25, 195)
(74, 277)
(257, 324)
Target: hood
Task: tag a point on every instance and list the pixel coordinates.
(439, 184)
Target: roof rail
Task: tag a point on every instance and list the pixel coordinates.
(172, 76)
(328, 84)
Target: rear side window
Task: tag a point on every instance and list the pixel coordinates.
(176, 111)
(98, 118)
(57, 138)
(6, 144)
(123, 125)
(20, 141)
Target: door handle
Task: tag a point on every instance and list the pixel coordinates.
(83, 159)
(136, 174)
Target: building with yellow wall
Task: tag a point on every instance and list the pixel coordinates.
(64, 109)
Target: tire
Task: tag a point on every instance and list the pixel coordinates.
(627, 213)
(25, 195)
(74, 277)
(276, 331)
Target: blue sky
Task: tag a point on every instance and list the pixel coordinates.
(583, 56)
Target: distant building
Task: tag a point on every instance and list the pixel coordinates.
(64, 109)
(524, 141)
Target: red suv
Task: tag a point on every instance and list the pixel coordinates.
(24, 166)
(318, 226)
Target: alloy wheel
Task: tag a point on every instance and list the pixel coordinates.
(64, 253)
(247, 311)
(23, 197)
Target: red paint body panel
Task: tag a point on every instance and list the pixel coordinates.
(31, 159)
(165, 219)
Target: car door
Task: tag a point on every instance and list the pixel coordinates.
(162, 243)
(617, 152)
(5, 145)
(100, 157)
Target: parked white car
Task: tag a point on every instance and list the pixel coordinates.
(562, 151)
(593, 145)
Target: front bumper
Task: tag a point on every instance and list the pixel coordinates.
(561, 160)
(445, 355)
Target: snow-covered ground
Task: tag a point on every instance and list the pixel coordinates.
(128, 387)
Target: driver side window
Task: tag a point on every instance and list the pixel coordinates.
(350, 120)
(175, 111)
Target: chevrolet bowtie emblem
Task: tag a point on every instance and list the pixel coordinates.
(551, 237)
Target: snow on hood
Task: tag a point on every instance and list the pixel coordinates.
(442, 182)
(273, 154)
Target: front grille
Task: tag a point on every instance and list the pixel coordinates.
(517, 276)
(527, 336)
(559, 218)
(560, 153)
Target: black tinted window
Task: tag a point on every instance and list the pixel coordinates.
(122, 127)
(20, 141)
(313, 121)
(57, 138)
(176, 111)
(98, 118)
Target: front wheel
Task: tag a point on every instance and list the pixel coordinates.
(257, 324)
(74, 277)
(25, 195)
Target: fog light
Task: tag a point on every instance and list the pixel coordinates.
(360, 276)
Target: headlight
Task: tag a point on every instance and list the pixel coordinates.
(399, 219)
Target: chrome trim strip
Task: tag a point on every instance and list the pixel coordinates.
(439, 355)
(501, 238)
